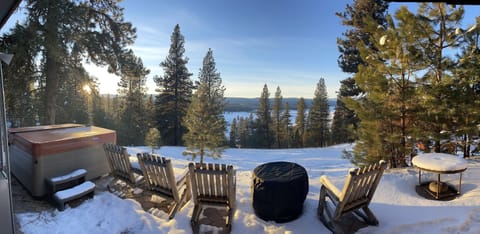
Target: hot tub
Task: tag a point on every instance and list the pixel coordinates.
(41, 152)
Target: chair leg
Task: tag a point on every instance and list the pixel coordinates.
(173, 210)
(371, 219)
(367, 216)
(229, 221)
(195, 214)
(323, 210)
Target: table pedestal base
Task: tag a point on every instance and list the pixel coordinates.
(424, 191)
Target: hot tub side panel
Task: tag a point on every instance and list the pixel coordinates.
(33, 163)
(21, 166)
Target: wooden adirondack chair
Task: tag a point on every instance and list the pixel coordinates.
(160, 179)
(212, 185)
(357, 193)
(120, 165)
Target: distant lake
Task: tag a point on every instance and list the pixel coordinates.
(229, 116)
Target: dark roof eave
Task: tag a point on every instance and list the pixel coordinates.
(453, 2)
(7, 7)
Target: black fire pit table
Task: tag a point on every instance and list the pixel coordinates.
(279, 190)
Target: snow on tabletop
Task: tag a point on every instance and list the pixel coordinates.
(72, 174)
(85, 186)
(439, 162)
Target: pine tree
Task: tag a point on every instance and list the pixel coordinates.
(22, 105)
(175, 91)
(243, 130)
(466, 117)
(101, 115)
(133, 119)
(435, 29)
(286, 126)
(397, 104)
(318, 117)
(61, 33)
(116, 109)
(354, 18)
(345, 121)
(204, 120)
(277, 118)
(73, 96)
(233, 135)
(299, 129)
(150, 111)
(263, 134)
(153, 139)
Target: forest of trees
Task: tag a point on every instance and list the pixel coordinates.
(271, 127)
(414, 79)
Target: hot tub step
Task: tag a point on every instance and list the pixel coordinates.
(87, 188)
(66, 181)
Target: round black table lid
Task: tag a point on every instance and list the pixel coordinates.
(279, 171)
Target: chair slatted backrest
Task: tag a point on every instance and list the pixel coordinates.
(360, 187)
(159, 174)
(119, 162)
(213, 183)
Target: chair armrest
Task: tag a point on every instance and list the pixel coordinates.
(330, 186)
(182, 178)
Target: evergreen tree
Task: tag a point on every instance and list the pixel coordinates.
(22, 105)
(175, 91)
(150, 111)
(299, 129)
(233, 138)
(318, 121)
(435, 35)
(133, 119)
(61, 33)
(345, 120)
(243, 130)
(277, 118)
(354, 18)
(466, 88)
(204, 120)
(387, 110)
(263, 133)
(153, 139)
(409, 89)
(116, 109)
(72, 96)
(101, 115)
(286, 126)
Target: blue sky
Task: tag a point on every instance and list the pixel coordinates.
(286, 43)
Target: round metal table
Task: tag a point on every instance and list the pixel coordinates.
(279, 190)
(439, 163)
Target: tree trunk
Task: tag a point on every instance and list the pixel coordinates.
(51, 56)
(51, 88)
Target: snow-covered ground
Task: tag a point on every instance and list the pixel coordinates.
(396, 204)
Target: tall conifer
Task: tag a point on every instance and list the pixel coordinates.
(204, 120)
(264, 134)
(299, 128)
(277, 118)
(285, 127)
(345, 121)
(318, 117)
(132, 92)
(175, 91)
